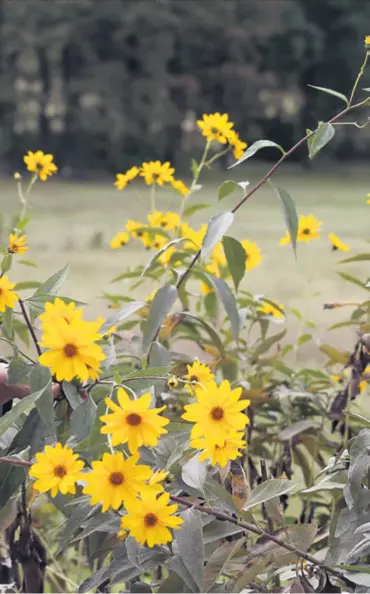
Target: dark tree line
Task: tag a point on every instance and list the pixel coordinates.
(106, 84)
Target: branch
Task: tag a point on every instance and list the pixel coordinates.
(256, 530)
(15, 462)
(29, 326)
(269, 174)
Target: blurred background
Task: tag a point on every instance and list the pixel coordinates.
(105, 85)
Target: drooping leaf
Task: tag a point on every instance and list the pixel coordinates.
(28, 263)
(72, 394)
(229, 303)
(53, 284)
(41, 376)
(190, 542)
(161, 306)
(194, 472)
(226, 188)
(266, 344)
(352, 279)
(256, 146)
(18, 371)
(215, 339)
(268, 490)
(290, 215)
(190, 210)
(331, 92)
(24, 406)
(217, 227)
(236, 258)
(7, 326)
(6, 263)
(296, 429)
(358, 258)
(322, 136)
(159, 355)
(121, 314)
(335, 355)
(26, 285)
(82, 418)
(217, 563)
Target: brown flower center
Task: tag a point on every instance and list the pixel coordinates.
(163, 224)
(1, 291)
(139, 233)
(116, 479)
(217, 413)
(214, 130)
(306, 231)
(150, 520)
(133, 419)
(334, 247)
(60, 471)
(193, 378)
(70, 350)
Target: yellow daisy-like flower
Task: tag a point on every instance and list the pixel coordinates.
(238, 145)
(308, 228)
(59, 311)
(119, 240)
(114, 480)
(367, 40)
(217, 412)
(180, 187)
(57, 469)
(215, 127)
(17, 244)
(253, 254)
(269, 310)
(155, 172)
(169, 220)
(199, 377)
(123, 179)
(73, 352)
(133, 421)
(337, 244)
(155, 481)
(135, 228)
(149, 519)
(8, 297)
(218, 255)
(195, 237)
(220, 453)
(40, 163)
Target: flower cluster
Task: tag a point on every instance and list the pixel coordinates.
(309, 228)
(217, 414)
(153, 172)
(217, 127)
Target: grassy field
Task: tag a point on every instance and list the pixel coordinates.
(67, 216)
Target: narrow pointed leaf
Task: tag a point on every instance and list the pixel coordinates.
(217, 227)
(268, 490)
(229, 303)
(331, 92)
(53, 284)
(161, 306)
(290, 215)
(226, 188)
(236, 258)
(323, 135)
(256, 146)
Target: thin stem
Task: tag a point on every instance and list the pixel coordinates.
(195, 178)
(217, 156)
(268, 175)
(256, 530)
(152, 197)
(359, 76)
(29, 326)
(15, 462)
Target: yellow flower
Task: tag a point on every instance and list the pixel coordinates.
(149, 519)
(133, 422)
(219, 453)
(73, 352)
(7, 296)
(308, 228)
(180, 187)
(154, 484)
(170, 220)
(40, 163)
(253, 254)
(119, 240)
(59, 310)
(215, 127)
(57, 469)
(156, 172)
(269, 310)
(135, 228)
(123, 179)
(151, 296)
(337, 244)
(217, 412)
(17, 244)
(199, 377)
(195, 237)
(218, 255)
(114, 480)
(172, 383)
(367, 40)
(238, 145)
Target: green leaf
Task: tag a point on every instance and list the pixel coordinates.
(194, 472)
(195, 168)
(290, 215)
(217, 227)
(161, 251)
(331, 92)
(303, 339)
(323, 135)
(352, 279)
(191, 547)
(53, 284)
(256, 146)
(218, 497)
(266, 344)
(26, 285)
(226, 188)
(208, 328)
(72, 394)
(217, 563)
(121, 314)
(159, 355)
(24, 406)
(18, 371)
(268, 490)
(161, 306)
(6, 263)
(358, 258)
(82, 418)
(333, 353)
(28, 263)
(11, 478)
(41, 376)
(128, 274)
(190, 210)
(297, 428)
(236, 258)
(229, 303)
(8, 324)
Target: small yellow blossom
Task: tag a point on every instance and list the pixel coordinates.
(221, 453)
(308, 228)
(155, 172)
(119, 240)
(8, 297)
(172, 383)
(367, 40)
(40, 163)
(168, 221)
(253, 254)
(238, 145)
(368, 201)
(269, 310)
(17, 244)
(215, 127)
(337, 244)
(199, 377)
(59, 310)
(180, 187)
(123, 179)
(56, 469)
